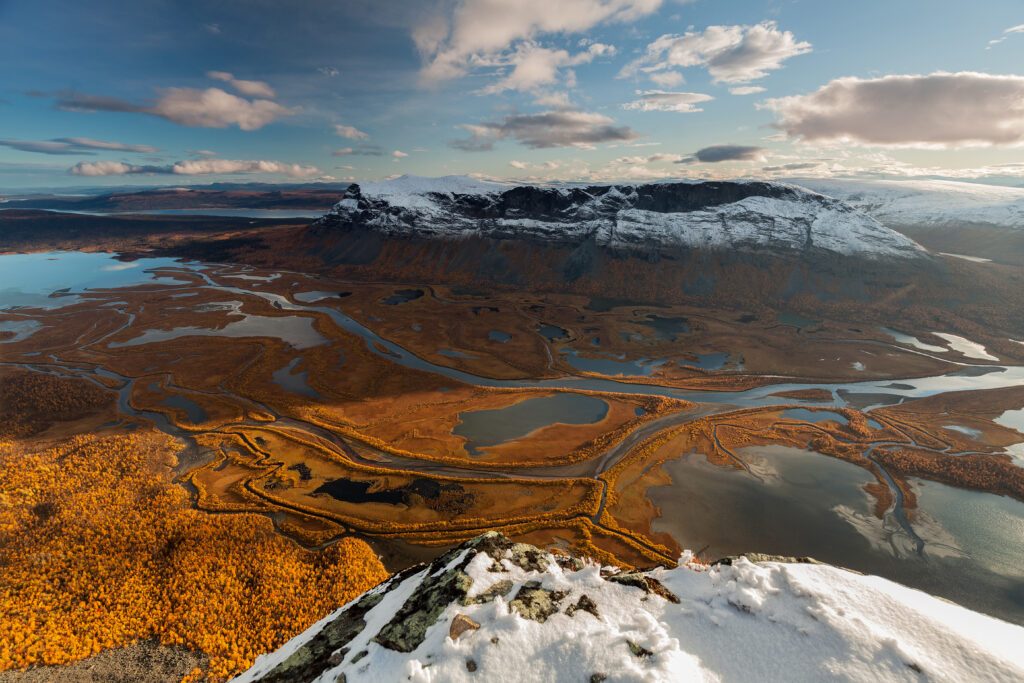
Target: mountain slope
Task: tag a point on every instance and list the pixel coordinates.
(497, 611)
(661, 217)
(983, 221)
(937, 203)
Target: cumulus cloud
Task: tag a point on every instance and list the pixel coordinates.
(557, 128)
(731, 54)
(74, 146)
(202, 108)
(328, 71)
(250, 88)
(350, 132)
(746, 90)
(940, 110)
(398, 154)
(533, 66)
(660, 100)
(195, 167)
(215, 108)
(467, 35)
(718, 153)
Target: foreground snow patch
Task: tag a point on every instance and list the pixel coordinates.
(524, 615)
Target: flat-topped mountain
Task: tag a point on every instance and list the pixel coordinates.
(663, 217)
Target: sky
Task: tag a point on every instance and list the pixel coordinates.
(158, 92)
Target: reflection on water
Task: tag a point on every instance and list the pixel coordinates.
(298, 331)
(912, 341)
(552, 332)
(805, 415)
(310, 297)
(22, 329)
(966, 346)
(30, 279)
(483, 428)
(801, 503)
(293, 380)
(613, 366)
(499, 336)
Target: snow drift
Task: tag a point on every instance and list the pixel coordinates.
(493, 610)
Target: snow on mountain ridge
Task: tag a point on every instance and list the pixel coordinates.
(708, 215)
(937, 203)
(493, 610)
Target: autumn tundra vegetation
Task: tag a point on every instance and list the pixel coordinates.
(211, 505)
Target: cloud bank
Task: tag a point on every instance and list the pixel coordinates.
(74, 146)
(194, 167)
(561, 128)
(939, 110)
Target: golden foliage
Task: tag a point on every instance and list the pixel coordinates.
(98, 550)
(32, 401)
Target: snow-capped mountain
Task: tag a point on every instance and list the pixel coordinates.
(493, 610)
(928, 203)
(659, 217)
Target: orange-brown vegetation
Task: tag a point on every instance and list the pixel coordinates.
(99, 550)
(992, 473)
(32, 401)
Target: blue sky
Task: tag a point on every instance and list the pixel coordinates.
(161, 92)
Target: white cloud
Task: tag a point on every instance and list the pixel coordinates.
(731, 54)
(399, 154)
(215, 108)
(557, 128)
(328, 71)
(667, 79)
(470, 34)
(660, 100)
(746, 90)
(521, 165)
(1006, 34)
(195, 167)
(77, 145)
(250, 88)
(534, 66)
(350, 132)
(940, 110)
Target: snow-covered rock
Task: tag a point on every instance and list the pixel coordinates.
(656, 217)
(493, 610)
(928, 203)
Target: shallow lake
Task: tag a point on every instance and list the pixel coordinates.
(802, 503)
(483, 428)
(30, 279)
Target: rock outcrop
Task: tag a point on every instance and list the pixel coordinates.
(494, 610)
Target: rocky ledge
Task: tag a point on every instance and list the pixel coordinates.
(494, 610)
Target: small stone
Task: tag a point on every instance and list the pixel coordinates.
(470, 665)
(585, 604)
(359, 655)
(494, 640)
(336, 657)
(460, 624)
(641, 652)
(598, 678)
